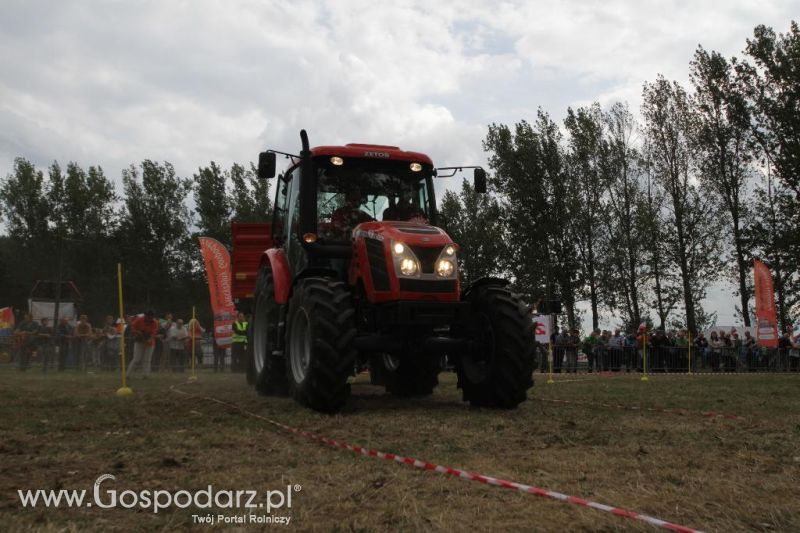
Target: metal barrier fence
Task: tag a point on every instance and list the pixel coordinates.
(669, 359)
(103, 354)
(99, 353)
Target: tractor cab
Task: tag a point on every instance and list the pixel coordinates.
(361, 274)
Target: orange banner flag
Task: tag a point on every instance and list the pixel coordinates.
(767, 323)
(218, 269)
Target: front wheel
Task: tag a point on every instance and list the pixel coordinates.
(320, 345)
(497, 371)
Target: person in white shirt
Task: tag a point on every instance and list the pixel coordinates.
(176, 339)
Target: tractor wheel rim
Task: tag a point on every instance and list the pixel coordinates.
(300, 345)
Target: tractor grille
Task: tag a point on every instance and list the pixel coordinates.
(427, 257)
(428, 285)
(377, 264)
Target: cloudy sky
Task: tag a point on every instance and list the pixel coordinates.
(111, 83)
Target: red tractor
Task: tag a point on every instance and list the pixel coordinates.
(359, 274)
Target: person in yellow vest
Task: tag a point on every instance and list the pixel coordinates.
(239, 347)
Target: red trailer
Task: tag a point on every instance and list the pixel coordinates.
(250, 241)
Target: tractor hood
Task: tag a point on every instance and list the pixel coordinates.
(410, 233)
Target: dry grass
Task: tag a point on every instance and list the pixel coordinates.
(63, 431)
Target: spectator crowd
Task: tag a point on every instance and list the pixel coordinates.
(151, 344)
(667, 351)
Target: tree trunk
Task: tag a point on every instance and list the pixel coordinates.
(744, 296)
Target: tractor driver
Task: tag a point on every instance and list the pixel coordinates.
(404, 209)
(349, 215)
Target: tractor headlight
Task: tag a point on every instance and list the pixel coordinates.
(405, 261)
(408, 267)
(446, 265)
(445, 268)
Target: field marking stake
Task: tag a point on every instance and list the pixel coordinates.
(455, 472)
(124, 390)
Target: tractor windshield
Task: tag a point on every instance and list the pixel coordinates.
(354, 193)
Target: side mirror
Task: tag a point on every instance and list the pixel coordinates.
(479, 180)
(266, 165)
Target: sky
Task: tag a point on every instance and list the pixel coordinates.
(111, 83)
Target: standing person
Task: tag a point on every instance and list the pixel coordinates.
(680, 357)
(44, 344)
(176, 339)
(700, 349)
(784, 345)
(717, 345)
(143, 330)
(642, 345)
(590, 348)
(26, 340)
(195, 331)
(559, 350)
(615, 346)
(750, 351)
(660, 344)
(63, 334)
(728, 352)
(630, 351)
(736, 344)
(794, 354)
(83, 334)
(109, 348)
(127, 333)
(604, 350)
(161, 351)
(573, 342)
(239, 347)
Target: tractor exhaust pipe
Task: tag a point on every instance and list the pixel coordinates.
(308, 190)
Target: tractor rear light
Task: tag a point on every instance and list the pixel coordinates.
(310, 238)
(415, 167)
(336, 160)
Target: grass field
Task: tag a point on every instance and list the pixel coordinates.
(712, 473)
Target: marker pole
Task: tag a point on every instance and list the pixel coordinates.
(124, 390)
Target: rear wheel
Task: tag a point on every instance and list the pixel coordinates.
(320, 344)
(497, 372)
(408, 376)
(266, 369)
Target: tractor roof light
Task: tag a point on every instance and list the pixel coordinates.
(415, 167)
(336, 160)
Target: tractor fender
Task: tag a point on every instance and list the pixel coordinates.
(482, 282)
(281, 273)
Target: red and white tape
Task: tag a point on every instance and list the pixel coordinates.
(682, 412)
(455, 472)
